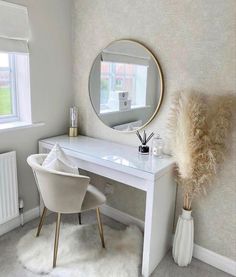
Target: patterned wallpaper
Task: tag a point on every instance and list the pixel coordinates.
(195, 43)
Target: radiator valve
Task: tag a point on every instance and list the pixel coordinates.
(21, 210)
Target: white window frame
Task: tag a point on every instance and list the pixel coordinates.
(14, 37)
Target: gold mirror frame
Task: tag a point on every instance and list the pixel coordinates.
(161, 85)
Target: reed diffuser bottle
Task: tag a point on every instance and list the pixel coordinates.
(73, 130)
(144, 148)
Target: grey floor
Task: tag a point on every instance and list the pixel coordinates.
(10, 267)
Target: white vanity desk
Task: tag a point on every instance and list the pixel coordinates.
(150, 174)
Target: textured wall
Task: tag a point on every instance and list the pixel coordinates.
(195, 44)
(50, 78)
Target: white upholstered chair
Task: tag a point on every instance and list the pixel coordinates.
(64, 193)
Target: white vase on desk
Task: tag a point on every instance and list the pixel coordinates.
(183, 240)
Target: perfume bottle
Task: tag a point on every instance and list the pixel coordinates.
(73, 130)
(157, 146)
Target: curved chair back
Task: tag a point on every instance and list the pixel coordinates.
(61, 192)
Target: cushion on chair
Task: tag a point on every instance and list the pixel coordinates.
(59, 161)
(93, 198)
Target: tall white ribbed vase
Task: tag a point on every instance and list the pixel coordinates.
(182, 250)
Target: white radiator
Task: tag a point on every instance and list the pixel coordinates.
(8, 187)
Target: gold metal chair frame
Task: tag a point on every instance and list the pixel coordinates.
(57, 232)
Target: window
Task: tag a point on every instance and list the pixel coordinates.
(8, 100)
(15, 102)
(14, 85)
(123, 77)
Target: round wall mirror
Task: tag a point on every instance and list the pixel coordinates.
(126, 86)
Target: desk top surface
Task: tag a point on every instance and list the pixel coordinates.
(124, 156)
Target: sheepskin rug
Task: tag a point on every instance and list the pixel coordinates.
(80, 252)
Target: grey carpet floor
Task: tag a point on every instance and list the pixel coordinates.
(10, 267)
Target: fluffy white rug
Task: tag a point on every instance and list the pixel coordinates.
(80, 252)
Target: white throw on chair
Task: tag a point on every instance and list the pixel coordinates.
(65, 193)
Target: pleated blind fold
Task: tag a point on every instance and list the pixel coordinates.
(14, 27)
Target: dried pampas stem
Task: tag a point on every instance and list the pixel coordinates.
(198, 139)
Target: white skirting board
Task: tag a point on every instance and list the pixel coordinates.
(216, 260)
(209, 257)
(14, 223)
(121, 216)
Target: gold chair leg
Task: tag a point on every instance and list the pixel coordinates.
(79, 216)
(41, 221)
(56, 239)
(100, 227)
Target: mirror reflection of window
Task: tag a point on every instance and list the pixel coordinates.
(117, 77)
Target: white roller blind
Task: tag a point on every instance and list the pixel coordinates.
(13, 46)
(124, 58)
(14, 27)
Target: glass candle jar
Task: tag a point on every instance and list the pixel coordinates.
(73, 130)
(74, 117)
(157, 147)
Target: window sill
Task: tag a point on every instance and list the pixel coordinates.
(104, 112)
(12, 126)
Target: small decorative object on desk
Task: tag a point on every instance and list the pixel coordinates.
(73, 130)
(144, 149)
(157, 146)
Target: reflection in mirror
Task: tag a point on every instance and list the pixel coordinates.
(122, 80)
(125, 85)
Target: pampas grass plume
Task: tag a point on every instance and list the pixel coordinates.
(198, 139)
